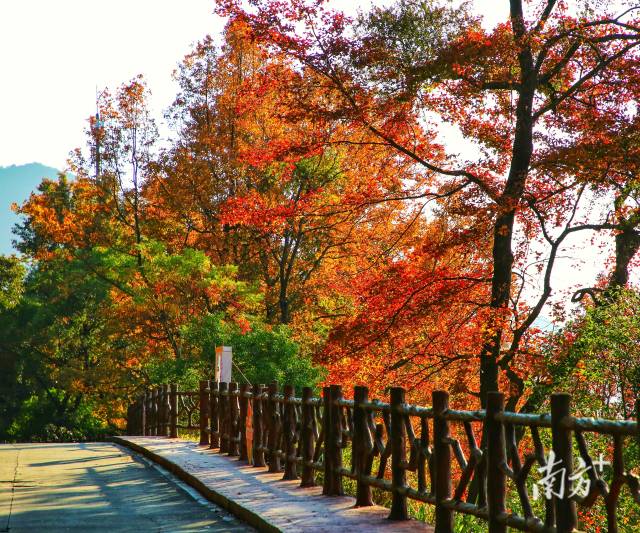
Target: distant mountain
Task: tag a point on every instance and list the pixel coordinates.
(17, 182)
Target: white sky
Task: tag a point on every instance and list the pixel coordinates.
(55, 53)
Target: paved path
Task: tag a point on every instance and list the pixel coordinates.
(264, 499)
(97, 487)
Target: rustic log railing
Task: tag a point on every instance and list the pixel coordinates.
(432, 455)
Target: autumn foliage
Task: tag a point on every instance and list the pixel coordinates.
(310, 182)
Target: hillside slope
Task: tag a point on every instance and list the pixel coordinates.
(16, 183)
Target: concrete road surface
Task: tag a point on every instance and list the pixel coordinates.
(97, 487)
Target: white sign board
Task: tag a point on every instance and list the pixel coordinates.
(223, 364)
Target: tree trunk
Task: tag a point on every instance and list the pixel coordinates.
(507, 206)
(627, 244)
(502, 243)
(283, 302)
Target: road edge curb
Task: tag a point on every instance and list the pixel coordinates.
(245, 514)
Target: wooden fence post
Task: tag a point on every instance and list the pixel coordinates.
(258, 425)
(326, 426)
(307, 438)
(244, 408)
(150, 423)
(173, 403)
(442, 459)
(165, 409)
(223, 402)
(362, 445)
(132, 419)
(399, 509)
(159, 426)
(289, 434)
(496, 458)
(148, 411)
(214, 422)
(148, 414)
(153, 411)
(336, 422)
(258, 444)
(273, 437)
(159, 411)
(203, 404)
(561, 439)
(143, 414)
(168, 409)
(160, 420)
(233, 414)
(332, 441)
(156, 409)
(638, 426)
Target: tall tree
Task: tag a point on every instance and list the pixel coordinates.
(265, 186)
(498, 87)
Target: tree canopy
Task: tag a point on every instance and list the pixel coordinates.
(308, 209)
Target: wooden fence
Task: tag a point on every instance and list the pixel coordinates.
(436, 447)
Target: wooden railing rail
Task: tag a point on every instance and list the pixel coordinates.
(429, 454)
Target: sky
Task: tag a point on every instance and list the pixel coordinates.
(55, 54)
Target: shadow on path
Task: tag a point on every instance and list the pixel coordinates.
(97, 487)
